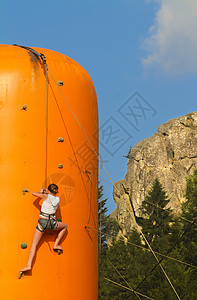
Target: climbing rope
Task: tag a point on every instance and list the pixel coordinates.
(46, 130)
(42, 57)
(81, 128)
(43, 60)
(37, 54)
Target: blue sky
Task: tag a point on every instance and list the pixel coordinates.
(127, 46)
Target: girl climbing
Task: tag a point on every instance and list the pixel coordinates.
(47, 221)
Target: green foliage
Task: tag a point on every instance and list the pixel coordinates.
(106, 225)
(129, 152)
(189, 208)
(102, 221)
(156, 217)
(129, 261)
(188, 246)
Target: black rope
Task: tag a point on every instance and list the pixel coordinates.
(38, 55)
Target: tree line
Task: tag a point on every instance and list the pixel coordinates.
(127, 267)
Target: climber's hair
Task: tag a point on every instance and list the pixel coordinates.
(53, 188)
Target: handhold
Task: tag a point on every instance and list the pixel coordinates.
(60, 166)
(60, 82)
(88, 172)
(23, 245)
(25, 191)
(24, 107)
(60, 139)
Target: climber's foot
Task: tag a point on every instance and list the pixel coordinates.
(22, 272)
(25, 269)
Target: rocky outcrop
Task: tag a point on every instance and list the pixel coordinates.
(170, 155)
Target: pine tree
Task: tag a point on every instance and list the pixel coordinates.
(189, 212)
(188, 245)
(102, 222)
(189, 207)
(106, 225)
(135, 264)
(116, 257)
(156, 217)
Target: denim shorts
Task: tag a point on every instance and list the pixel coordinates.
(47, 224)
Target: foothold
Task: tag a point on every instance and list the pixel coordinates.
(60, 139)
(25, 191)
(59, 251)
(21, 274)
(24, 107)
(23, 245)
(60, 166)
(60, 82)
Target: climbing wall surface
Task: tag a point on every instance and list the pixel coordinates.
(42, 142)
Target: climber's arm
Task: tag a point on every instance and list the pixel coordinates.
(43, 193)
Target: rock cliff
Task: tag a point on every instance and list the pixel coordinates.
(170, 155)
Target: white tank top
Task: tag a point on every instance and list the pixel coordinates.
(50, 205)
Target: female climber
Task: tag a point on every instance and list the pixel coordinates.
(47, 221)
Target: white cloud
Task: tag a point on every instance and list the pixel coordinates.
(172, 41)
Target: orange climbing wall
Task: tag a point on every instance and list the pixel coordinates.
(30, 153)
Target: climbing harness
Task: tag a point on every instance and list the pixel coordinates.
(49, 222)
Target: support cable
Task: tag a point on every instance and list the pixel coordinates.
(143, 248)
(125, 287)
(90, 192)
(179, 217)
(161, 266)
(166, 253)
(124, 279)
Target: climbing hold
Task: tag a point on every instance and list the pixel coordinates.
(88, 172)
(60, 139)
(24, 107)
(25, 191)
(59, 251)
(60, 166)
(21, 274)
(60, 82)
(23, 245)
